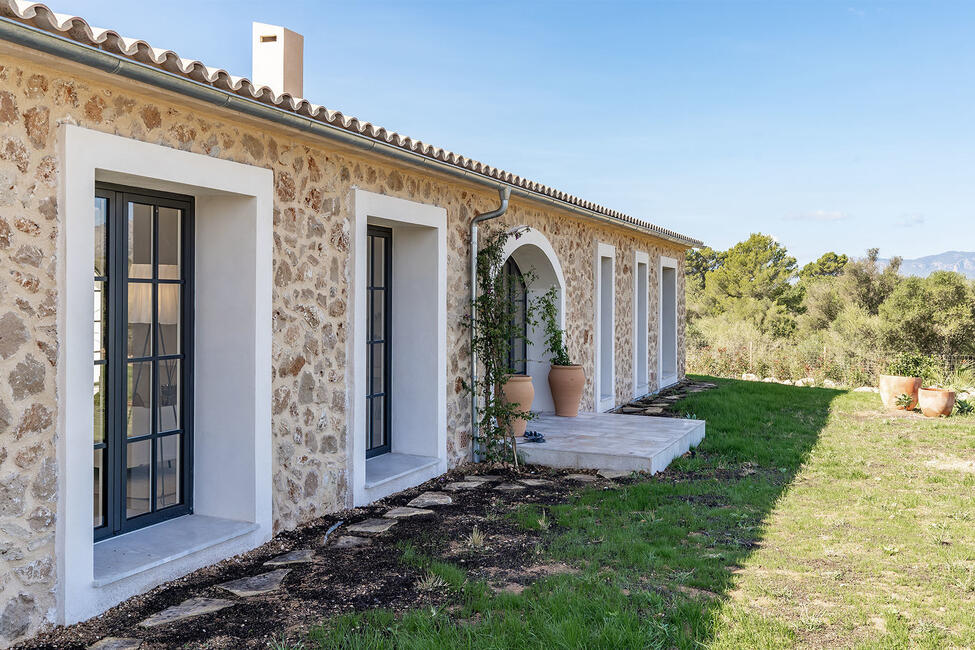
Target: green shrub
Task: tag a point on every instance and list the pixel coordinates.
(964, 407)
(909, 364)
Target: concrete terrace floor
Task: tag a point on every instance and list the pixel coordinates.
(611, 441)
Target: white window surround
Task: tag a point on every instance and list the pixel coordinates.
(232, 380)
(533, 252)
(667, 324)
(604, 369)
(418, 347)
(641, 324)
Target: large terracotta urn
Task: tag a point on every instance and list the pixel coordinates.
(893, 386)
(518, 390)
(567, 383)
(935, 402)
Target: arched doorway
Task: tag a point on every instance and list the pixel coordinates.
(533, 255)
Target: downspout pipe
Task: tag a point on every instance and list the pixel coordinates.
(504, 192)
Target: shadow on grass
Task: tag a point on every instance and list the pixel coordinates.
(658, 555)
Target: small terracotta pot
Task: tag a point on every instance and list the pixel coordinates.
(936, 402)
(567, 383)
(893, 386)
(519, 390)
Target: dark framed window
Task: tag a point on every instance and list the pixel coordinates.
(142, 455)
(379, 298)
(518, 301)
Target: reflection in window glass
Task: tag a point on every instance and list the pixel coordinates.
(168, 313)
(98, 510)
(139, 398)
(169, 243)
(167, 471)
(140, 240)
(138, 485)
(140, 319)
(168, 395)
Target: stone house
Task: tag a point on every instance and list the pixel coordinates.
(225, 311)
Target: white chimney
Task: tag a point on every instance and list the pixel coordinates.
(277, 59)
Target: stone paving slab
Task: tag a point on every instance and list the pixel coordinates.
(407, 512)
(510, 487)
(187, 609)
(483, 478)
(582, 478)
(116, 643)
(293, 557)
(352, 541)
(536, 482)
(256, 585)
(614, 473)
(457, 486)
(431, 499)
(373, 526)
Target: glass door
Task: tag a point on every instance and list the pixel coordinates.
(379, 252)
(143, 320)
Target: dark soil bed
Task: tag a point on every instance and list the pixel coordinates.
(341, 580)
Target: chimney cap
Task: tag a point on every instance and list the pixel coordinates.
(277, 59)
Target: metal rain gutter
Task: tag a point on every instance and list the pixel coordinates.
(504, 192)
(42, 41)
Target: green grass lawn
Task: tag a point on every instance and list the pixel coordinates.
(808, 517)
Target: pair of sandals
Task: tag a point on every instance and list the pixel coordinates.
(534, 436)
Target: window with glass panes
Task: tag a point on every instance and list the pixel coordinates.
(518, 303)
(142, 455)
(379, 257)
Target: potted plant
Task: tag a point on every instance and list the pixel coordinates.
(903, 377)
(935, 402)
(565, 379)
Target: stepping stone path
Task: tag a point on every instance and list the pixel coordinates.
(187, 609)
(406, 512)
(614, 473)
(510, 487)
(654, 410)
(457, 486)
(256, 585)
(431, 499)
(352, 541)
(582, 478)
(373, 526)
(116, 643)
(536, 482)
(294, 557)
(482, 478)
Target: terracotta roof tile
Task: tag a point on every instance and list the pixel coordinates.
(38, 15)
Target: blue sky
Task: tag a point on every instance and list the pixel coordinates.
(830, 125)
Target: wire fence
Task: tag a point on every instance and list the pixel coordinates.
(841, 365)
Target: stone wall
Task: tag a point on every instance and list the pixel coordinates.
(311, 302)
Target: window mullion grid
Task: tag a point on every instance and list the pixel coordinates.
(119, 352)
(154, 403)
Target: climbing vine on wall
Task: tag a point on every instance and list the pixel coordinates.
(493, 326)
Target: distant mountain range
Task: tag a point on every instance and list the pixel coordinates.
(959, 261)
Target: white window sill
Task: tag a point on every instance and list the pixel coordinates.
(391, 467)
(120, 557)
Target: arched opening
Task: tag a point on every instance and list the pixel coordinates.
(532, 254)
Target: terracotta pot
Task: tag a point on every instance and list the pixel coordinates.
(519, 390)
(893, 386)
(567, 383)
(936, 402)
